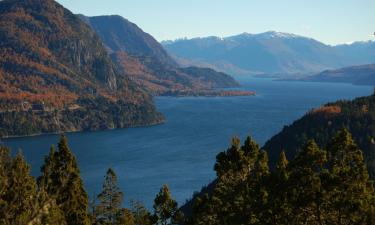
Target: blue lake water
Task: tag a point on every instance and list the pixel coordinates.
(181, 152)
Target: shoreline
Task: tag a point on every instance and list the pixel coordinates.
(80, 131)
(209, 94)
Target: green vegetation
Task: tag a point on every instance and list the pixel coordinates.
(320, 124)
(319, 186)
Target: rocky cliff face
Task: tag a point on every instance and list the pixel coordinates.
(51, 58)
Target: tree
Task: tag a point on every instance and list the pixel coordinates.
(351, 191)
(278, 204)
(110, 199)
(165, 208)
(141, 215)
(5, 162)
(61, 180)
(20, 194)
(125, 217)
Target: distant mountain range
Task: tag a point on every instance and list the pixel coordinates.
(146, 62)
(270, 53)
(363, 75)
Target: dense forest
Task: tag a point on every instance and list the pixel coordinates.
(319, 186)
(358, 116)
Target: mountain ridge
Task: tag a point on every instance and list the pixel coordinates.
(147, 63)
(268, 53)
(57, 76)
(361, 75)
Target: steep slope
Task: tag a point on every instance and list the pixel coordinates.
(143, 59)
(57, 76)
(363, 74)
(319, 124)
(119, 34)
(266, 53)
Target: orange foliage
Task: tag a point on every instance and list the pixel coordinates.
(334, 109)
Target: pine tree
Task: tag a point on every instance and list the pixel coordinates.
(305, 190)
(110, 199)
(141, 215)
(351, 192)
(256, 193)
(125, 218)
(278, 205)
(5, 162)
(166, 209)
(61, 180)
(47, 212)
(20, 194)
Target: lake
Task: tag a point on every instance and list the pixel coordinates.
(181, 152)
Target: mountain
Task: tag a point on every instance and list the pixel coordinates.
(363, 74)
(358, 116)
(146, 62)
(357, 53)
(120, 35)
(56, 75)
(267, 53)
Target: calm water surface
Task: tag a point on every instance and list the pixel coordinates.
(181, 152)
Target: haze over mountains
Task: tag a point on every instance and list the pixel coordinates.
(362, 75)
(269, 53)
(147, 63)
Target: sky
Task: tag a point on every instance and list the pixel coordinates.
(330, 21)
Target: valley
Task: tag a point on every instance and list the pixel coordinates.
(181, 152)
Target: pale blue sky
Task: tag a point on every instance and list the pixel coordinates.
(329, 21)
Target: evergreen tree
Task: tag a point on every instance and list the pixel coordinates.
(61, 180)
(278, 206)
(305, 189)
(5, 162)
(110, 199)
(141, 215)
(256, 193)
(125, 217)
(20, 194)
(351, 192)
(47, 212)
(166, 209)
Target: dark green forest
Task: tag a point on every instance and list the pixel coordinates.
(320, 124)
(329, 185)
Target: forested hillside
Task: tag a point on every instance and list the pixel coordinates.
(358, 116)
(56, 75)
(329, 186)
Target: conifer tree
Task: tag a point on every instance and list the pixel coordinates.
(110, 199)
(351, 192)
(5, 162)
(125, 218)
(166, 209)
(305, 190)
(61, 180)
(141, 215)
(256, 193)
(20, 194)
(279, 207)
